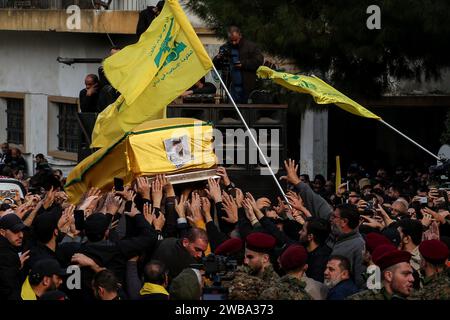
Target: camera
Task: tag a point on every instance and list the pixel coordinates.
(217, 269)
(224, 56)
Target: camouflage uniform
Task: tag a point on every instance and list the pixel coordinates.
(246, 286)
(436, 287)
(286, 288)
(374, 295)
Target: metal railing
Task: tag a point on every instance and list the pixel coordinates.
(122, 5)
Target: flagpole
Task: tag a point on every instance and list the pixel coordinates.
(411, 140)
(251, 136)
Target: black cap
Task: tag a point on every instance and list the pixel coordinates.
(96, 225)
(12, 222)
(44, 225)
(47, 268)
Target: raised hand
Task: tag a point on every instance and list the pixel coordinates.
(143, 187)
(180, 206)
(222, 172)
(291, 172)
(157, 193)
(213, 190)
(195, 209)
(239, 197)
(231, 208)
(206, 209)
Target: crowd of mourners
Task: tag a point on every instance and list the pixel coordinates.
(381, 236)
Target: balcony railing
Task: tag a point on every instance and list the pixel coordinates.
(125, 5)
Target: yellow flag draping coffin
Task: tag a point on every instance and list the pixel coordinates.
(167, 60)
(321, 91)
(159, 146)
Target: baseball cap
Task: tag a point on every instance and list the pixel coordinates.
(12, 222)
(46, 268)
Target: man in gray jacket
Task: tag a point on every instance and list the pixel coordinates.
(349, 242)
(317, 205)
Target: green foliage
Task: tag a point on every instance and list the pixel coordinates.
(332, 36)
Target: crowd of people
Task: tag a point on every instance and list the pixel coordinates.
(380, 237)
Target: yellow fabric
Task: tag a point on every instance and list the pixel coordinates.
(167, 60)
(201, 225)
(143, 152)
(321, 91)
(338, 173)
(27, 292)
(151, 288)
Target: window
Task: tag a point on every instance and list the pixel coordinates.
(68, 128)
(15, 121)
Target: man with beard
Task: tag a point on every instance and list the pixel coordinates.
(242, 58)
(349, 242)
(45, 275)
(410, 237)
(11, 259)
(396, 275)
(337, 277)
(436, 284)
(313, 236)
(257, 274)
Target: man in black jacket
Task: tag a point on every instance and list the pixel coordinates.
(241, 58)
(89, 96)
(11, 262)
(178, 254)
(313, 235)
(147, 16)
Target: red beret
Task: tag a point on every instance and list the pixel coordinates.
(229, 246)
(386, 256)
(293, 257)
(434, 251)
(374, 239)
(260, 242)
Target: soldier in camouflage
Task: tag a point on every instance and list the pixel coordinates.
(290, 286)
(396, 275)
(257, 274)
(436, 284)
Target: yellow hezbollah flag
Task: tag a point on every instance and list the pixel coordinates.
(168, 146)
(168, 59)
(321, 91)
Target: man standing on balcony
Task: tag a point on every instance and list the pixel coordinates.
(146, 17)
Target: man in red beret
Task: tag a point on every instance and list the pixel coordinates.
(436, 284)
(396, 275)
(257, 274)
(290, 286)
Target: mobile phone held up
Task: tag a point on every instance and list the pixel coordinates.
(118, 184)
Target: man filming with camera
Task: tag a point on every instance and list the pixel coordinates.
(239, 59)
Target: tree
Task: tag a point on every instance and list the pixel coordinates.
(332, 38)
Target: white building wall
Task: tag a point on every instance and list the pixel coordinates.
(28, 65)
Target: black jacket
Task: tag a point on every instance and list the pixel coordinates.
(146, 17)
(174, 256)
(317, 262)
(88, 103)
(10, 276)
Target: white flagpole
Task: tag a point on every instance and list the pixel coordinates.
(411, 140)
(251, 136)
